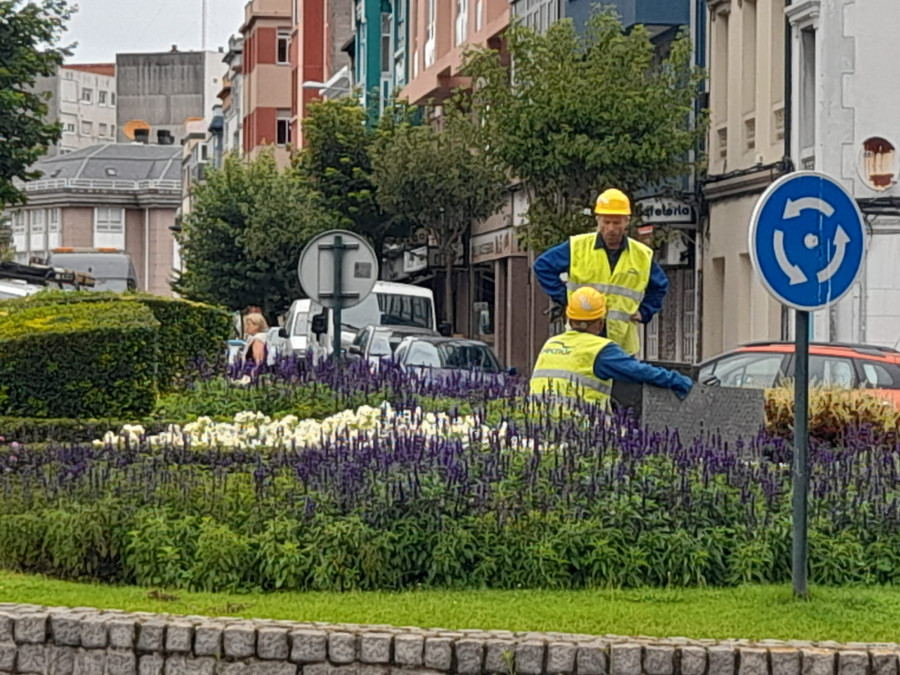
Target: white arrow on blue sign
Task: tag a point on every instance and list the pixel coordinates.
(807, 240)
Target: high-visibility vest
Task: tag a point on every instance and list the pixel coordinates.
(565, 367)
(623, 287)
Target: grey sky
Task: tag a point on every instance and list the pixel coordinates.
(104, 28)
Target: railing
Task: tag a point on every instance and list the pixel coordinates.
(100, 184)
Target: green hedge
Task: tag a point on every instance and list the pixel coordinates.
(68, 430)
(78, 360)
(188, 330)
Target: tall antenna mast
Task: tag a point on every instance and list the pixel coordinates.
(205, 17)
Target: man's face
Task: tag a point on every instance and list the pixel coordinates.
(612, 229)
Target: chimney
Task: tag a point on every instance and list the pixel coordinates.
(174, 48)
(165, 137)
(142, 135)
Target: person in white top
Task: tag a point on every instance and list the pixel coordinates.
(255, 347)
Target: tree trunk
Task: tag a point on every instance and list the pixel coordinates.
(448, 288)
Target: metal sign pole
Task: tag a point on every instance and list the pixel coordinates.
(338, 253)
(801, 460)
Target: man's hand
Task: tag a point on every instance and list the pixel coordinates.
(682, 386)
(557, 312)
(637, 318)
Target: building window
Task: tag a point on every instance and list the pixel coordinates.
(750, 133)
(778, 124)
(19, 222)
(807, 130)
(462, 21)
(479, 15)
(87, 128)
(748, 52)
(54, 220)
(719, 66)
(362, 46)
(430, 22)
(87, 95)
(109, 227)
(722, 135)
(37, 221)
(283, 53)
(101, 129)
(101, 98)
(689, 326)
(112, 97)
(70, 127)
(204, 152)
(400, 43)
(386, 51)
(283, 129)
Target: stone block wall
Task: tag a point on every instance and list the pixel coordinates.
(83, 641)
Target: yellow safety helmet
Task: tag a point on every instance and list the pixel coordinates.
(586, 304)
(613, 202)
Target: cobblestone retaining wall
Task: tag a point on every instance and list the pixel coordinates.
(85, 641)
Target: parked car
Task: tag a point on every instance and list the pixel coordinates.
(374, 343)
(443, 356)
(767, 364)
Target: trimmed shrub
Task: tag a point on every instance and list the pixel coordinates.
(79, 360)
(189, 332)
(68, 430)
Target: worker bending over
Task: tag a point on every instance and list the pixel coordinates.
(621, 268)
(580, 363)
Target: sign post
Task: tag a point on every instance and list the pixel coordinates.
(338, 270)
(807, 243)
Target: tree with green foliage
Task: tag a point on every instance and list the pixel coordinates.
(29, 34)
(336, 161)
(242, 239)
(584, 111)
(440, 180)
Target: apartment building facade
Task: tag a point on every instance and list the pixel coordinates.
(231, 97)
(747, 103)
(845, 125)
(266, 78)
(82, 97)
(122, 196)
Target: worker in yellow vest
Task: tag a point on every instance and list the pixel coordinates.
(581, 364)
(621, 268)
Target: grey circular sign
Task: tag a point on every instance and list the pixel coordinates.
(359, 268)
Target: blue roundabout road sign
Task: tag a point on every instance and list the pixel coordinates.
(807, 240)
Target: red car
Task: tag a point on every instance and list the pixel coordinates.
(767, 364)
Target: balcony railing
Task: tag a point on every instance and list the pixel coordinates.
(100, 184)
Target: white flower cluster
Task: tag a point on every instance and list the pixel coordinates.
(256, 430)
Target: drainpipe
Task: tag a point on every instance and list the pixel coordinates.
(788, 129)
(146, 249)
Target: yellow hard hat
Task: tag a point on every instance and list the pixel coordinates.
(613, 202)
(586, 304)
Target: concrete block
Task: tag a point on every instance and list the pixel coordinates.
(31, 628)
(371, 669)
(659, 660)
(152, 636)
(257, 667)
(31, 658)
(884, 662)
(693, 660)
(328, 669)
(342, 648)
(122, 633)
(439, 653)
(179, 637)
(625, 659)
(187, 665)
(93, 632)
(409, 650)
(309, 646)
(208, 639)
(121, 662)
(817, 662)
(239, 641)
(375, 647)
(561, 657)
(784, 660)
(65, 629)
(90, 662)
(7, 627)
(151, 664)
(8, 651)
(853, 663)
(272, 643)
(530, 657)
(590, 659)
(753, 661)
(720, 660)
(499, 656)
(469, 656)
(60, 660)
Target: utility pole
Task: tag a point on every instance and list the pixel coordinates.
(204, 20)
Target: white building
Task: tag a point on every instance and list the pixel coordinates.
(83, 99)
(846, 122)
(230, 96)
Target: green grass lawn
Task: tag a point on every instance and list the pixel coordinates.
(752, 612)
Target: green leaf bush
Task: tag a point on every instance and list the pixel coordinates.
(78, 360)
(188, 331)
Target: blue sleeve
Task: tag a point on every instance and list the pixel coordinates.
(657, 287)
(614, 364)
(547, 268)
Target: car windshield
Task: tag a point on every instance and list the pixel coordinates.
(451, 355)
(389, 309)
(300, 325)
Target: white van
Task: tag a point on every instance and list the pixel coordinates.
(389, 304)
(293, 336)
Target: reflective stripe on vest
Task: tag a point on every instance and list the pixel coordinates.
(566, 363)
(624, 286)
